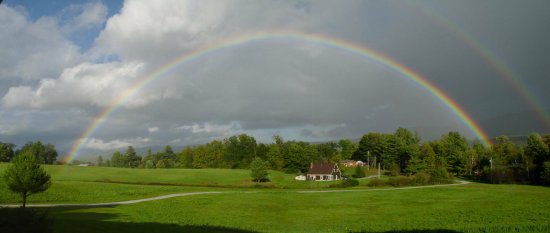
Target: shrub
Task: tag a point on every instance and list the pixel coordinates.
(359, 172)
(258, 170)
(421, 178)
(345, 183)
(400, 181)
(393, 169)
(376, 183)
(440, 176)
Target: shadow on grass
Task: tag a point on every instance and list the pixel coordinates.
(415, 231)
(84, 220)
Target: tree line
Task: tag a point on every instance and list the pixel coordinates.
(44, 153)
(237, 152)
(402, 152)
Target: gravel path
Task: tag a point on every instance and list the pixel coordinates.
(206, 193)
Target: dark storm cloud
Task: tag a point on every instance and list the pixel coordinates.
(299, 89)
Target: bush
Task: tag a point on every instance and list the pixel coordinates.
(393, 169)
(359, 172)
(421, 178)
(376, 183)
(258, 170)
(345, 184)
(440, 176)
(24, 220)
(400, 181)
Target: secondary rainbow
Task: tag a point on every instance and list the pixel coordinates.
(503, 71)
(242, 39)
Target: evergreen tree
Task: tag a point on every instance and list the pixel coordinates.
(258, 170)
(25, 176)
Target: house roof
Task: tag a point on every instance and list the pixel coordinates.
(321, 168)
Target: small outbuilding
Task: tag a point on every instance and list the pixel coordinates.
(300, 177)
(324, 171)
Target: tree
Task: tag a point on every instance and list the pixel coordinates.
(161, 164)
(538, 151)
(6, 151)
(427, 155)
(131, 158)
(328, 152)
(454, 148)
(26, 177)
(149, 164)
(186, 157)
(99, 161)
(258, 169)
(117, 160)
(546, 172)
(239, 150)
(347, 147)
(45, 154)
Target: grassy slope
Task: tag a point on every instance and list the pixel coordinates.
(470, 208)
(73, 184)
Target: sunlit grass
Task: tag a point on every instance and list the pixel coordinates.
(470, 208)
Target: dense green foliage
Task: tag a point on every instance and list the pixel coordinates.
(402, 152)
(345, 183)
(258, 170)
(25, 177)
(44, 154)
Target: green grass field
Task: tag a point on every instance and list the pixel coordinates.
(241, 208)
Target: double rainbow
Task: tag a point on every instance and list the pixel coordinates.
(242, 39)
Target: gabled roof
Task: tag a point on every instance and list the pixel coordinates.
(321, 168)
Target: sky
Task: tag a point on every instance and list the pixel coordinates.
(64, 63)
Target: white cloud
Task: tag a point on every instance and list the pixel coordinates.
(157, 31)
(153, 129)
(33, 50)
(77, 17)
(99, 144)
(211, 128)
(85, 84)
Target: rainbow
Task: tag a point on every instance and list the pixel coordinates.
(324, 40)
(504, 72)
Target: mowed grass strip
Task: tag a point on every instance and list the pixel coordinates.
(470, 208)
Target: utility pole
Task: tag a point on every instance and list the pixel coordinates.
(378, 170)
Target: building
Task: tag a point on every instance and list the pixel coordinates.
(352, 163)
(324, 171)
(300, 177)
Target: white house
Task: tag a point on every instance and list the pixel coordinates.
(324, 171)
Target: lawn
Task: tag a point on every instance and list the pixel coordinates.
(73, 184)
(279, 206)
(469, 208)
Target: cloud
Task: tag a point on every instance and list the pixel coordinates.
(304, 90)
(210, 128)
(99, 144)
(79, 17)
(33, 50)
(86, 84)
